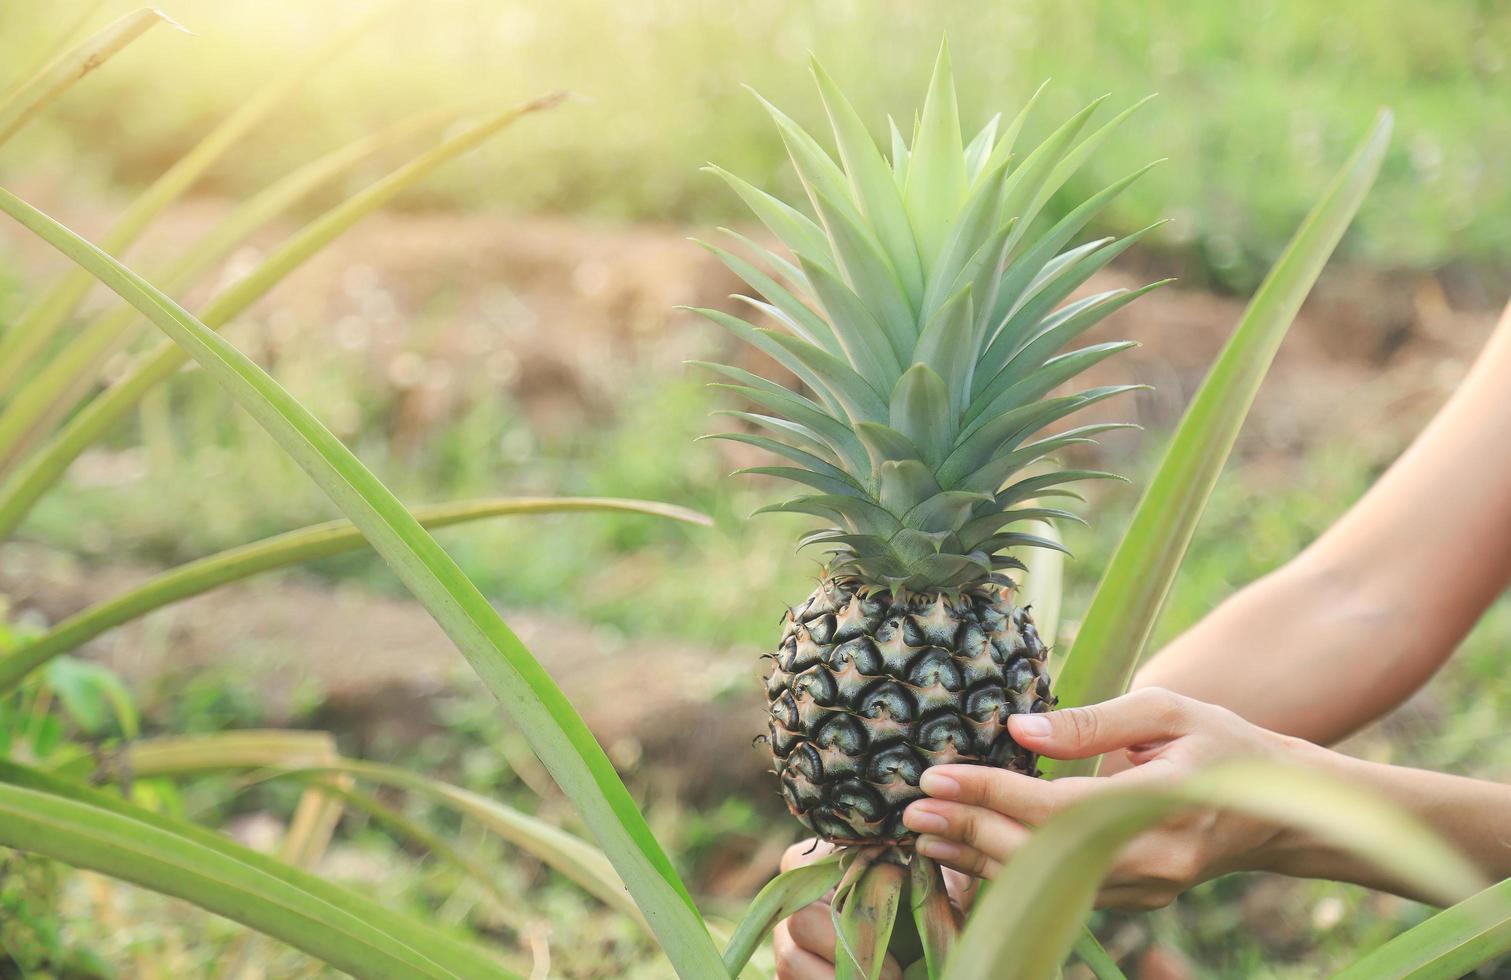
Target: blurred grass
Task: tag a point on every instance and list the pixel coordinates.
(1255, 103)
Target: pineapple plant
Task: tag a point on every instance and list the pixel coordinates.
(922, 312)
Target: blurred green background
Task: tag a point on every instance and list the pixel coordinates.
(1255, 102)
(509, 328)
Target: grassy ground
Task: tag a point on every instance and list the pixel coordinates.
(1256, 105)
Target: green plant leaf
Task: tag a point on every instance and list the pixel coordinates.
(1451, 944)
(864, 918)
(90, 829)
(1097, 960)
(280, 551)
(935, 918)
(1044, 585)
(40, 471)
(305, 755)
(28, 99)
(782, 896)
(1116, 628)
(1026, 923)
(30, 335)
(54, 390)
(547, 719)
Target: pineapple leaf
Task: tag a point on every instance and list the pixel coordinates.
(970, 230)
(766, 341)
(1061, 276)
(1046, 376)
(865, 923)
(1076, 158)
(944, 511)
(801, 320)
(798, 456)
(904, 483)
(795, 431)
(866, 343)
(981, 440)
(796, 230)
(1040, 485)
(815, 168)
(947, 344)
(990, 476)
(1003, 151)
(883, 444)
(782, 896)
(1055, 332)
(921, 411)
(937, 921)
(979, 149)
(554, 729)
(873, 185)
(864, 516)
(818, 481)
(1029, 177)
(280, 551)
(936, 169)
(870, 275)
(854, 393)
(1023, 269)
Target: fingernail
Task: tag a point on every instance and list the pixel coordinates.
(938, 784)
(1034, 726)
(924, 821)
(939, 850)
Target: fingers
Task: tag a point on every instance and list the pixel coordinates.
(976, 827)
(1025, 799)
(1145, 716)
(793, 962)
(812, 929)
(958, 857)
(805, 852)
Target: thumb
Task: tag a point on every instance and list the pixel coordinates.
(1143, 717)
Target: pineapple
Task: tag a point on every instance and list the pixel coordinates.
(920, 308)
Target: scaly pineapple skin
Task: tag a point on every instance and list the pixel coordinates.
(871, 689)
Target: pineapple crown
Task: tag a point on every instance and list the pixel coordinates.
(924, 321)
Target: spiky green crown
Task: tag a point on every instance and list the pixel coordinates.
(925, 321)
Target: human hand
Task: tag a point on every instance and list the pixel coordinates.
(805, 940)
(977, 817)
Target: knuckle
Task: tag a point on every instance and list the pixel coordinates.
(1165, 705)
(1083, 723)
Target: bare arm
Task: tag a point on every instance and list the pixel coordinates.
(1361, 619)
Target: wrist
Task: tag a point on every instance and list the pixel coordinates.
(1295, 851)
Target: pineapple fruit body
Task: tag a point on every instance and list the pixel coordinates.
(873, 687)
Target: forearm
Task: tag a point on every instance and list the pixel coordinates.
(1306, 651)
(1358, 622)
(1473, 815)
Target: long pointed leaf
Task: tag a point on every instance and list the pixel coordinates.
(549, 722)
(1449, 945)
(32, 96)
(782, 896)
(27, 485)
(1127, 603)
(30, 335)
(280, 551)
(1025, 925)
(89, 829)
